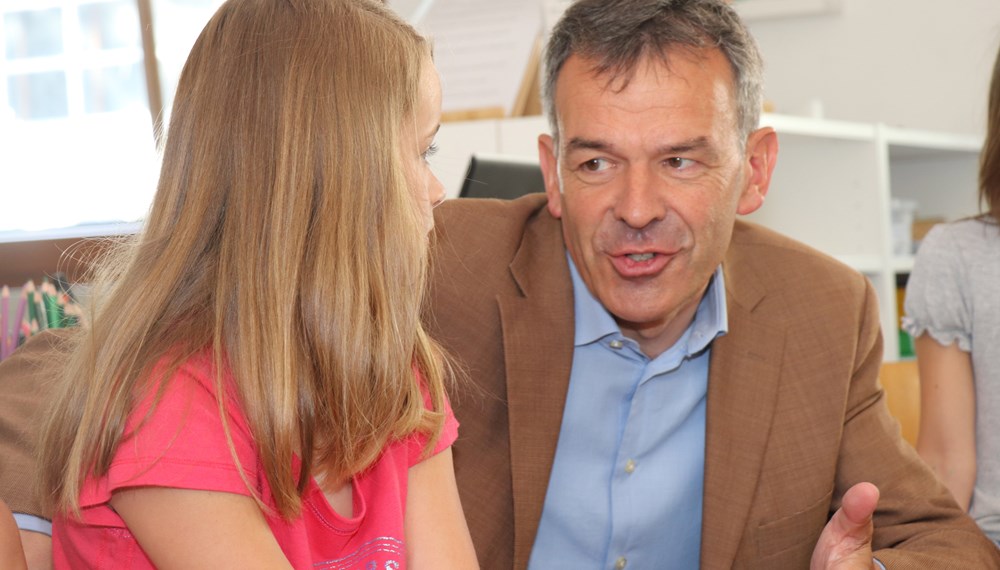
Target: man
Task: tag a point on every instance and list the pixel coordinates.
(656, 385)
(652, 383)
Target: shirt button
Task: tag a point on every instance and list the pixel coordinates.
(615, 344)
(629, 468)
(620, 563)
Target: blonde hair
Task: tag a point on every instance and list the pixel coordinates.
(284, 237)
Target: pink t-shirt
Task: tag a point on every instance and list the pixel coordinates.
(182, 445)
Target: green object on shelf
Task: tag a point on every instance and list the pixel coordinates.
(905, 344)
(52, 316)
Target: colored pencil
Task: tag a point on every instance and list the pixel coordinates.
(4, 325)
(29, 288)
(25, 333)
(51, 305)
(40, 310)
(32, 308)
(62, 300)
(22, 304)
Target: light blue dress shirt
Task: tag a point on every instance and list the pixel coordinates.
(626, 483)
(33, 523)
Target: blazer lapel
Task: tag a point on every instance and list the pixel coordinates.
(538, 352)
(742, 393)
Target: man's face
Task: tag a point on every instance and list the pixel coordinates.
(648, 180)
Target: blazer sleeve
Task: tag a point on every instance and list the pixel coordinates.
(25, 380)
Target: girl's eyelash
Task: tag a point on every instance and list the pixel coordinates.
(431, 150)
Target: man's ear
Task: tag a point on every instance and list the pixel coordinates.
(762, 153)
(547, 159)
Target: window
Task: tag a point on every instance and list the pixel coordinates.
(77, 145)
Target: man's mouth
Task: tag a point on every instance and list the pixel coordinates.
(635, 265)
(640, 256)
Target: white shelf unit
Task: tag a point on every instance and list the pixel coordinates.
(832, 187)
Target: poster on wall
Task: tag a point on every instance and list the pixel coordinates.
(761, 9)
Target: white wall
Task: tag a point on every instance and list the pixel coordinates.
(921, 64)
(407, 8)
(909, 63)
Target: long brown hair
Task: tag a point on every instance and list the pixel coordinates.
(282, 236)
(989, 162)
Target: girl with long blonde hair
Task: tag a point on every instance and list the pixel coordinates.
(254, 388)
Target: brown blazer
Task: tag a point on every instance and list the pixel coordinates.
(795, 414)
(24, 385)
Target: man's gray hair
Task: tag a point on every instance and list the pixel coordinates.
(617, 34)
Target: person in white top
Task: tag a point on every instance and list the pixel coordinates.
(953, 313)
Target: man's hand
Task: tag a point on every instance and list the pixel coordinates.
(846, 542)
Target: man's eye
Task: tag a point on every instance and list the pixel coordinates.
(595, 165)
(679, 163)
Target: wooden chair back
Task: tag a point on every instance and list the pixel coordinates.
(901, 383)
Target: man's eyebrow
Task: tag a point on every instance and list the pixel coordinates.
(681, 147)
(577, 143)
(697, 143)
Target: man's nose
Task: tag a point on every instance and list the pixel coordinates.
(642, 200)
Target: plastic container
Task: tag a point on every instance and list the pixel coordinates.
(903, 211)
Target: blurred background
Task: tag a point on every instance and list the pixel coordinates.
(82, 82)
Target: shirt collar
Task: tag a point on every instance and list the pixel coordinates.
(594, 322)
